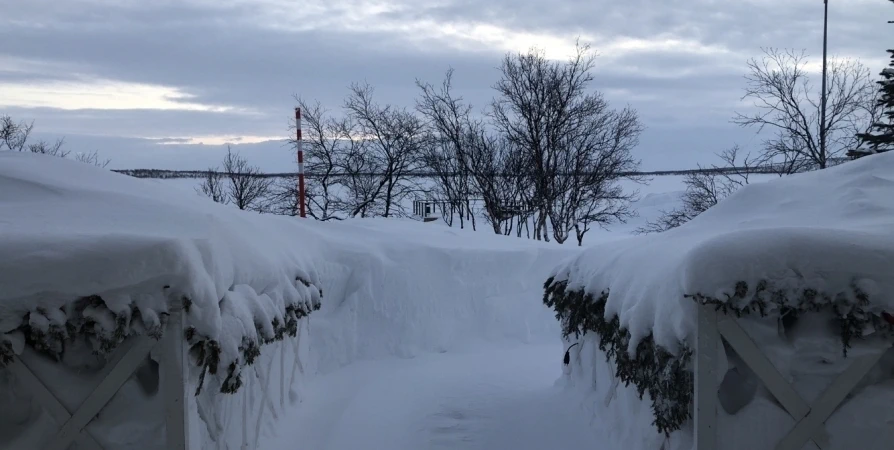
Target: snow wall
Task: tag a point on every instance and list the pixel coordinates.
(391, 288)
(397, 288)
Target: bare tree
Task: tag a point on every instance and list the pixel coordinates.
(246, 186)
(394, 141)
(14, 135)
(789, 106)
(325, 143)
(212, 186)
(362, 182)
(438, 156)
(498, 176)
(590, 162)
(447, 152)
(575, 147)
(91, 158)
(55, 149)
(705, 189)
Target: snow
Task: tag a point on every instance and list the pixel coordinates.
(394, 290)
(427, 336)
(825, 230)
(72, 231)
(490, 397)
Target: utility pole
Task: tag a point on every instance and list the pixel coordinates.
(823, 153)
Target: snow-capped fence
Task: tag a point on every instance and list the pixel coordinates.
(714, 328)
(128, 310)
(71, 425)
(774, 305)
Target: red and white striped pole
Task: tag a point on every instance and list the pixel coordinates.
(300, 163)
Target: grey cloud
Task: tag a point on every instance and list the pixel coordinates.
(226, 56)
(152, 123)
(135, 153)
(169, 140)
(661, 147)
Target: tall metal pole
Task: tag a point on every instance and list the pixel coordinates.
(300, 162)
(823, 153)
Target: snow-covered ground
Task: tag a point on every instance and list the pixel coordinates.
(487, 397)
(428, 337)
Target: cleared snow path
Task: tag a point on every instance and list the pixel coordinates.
(493, 397)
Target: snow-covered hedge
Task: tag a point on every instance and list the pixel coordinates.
(94, 256)
(813, 243)
(90, 258)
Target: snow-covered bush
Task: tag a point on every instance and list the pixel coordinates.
(98, 257)
(92, 258)
(815, 248)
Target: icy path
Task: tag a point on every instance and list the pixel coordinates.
(493, 398)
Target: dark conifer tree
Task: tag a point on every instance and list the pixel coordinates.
(881, 138)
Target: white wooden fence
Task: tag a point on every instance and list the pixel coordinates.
(72, 425)
(809, 418)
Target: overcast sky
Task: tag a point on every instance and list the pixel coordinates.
(145, 81)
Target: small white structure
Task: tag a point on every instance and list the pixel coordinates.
(428, 210)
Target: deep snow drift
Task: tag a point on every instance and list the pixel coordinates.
(91, 257)
(819, 241)
(392, 289)
(825, 230)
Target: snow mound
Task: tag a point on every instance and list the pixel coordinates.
(72, 232)
(826, 232)
(92, 257)
(401, 288)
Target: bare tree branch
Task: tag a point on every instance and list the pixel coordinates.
(787, 105)
(91, 158)
(245, 189)
(212, 186)
(394, 139)
(574, 146)
(704, 190)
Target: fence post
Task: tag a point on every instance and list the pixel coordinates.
(174, 368)
(706, 352)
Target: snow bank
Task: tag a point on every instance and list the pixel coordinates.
(829, 231)
(72, 232)
(404, 288)
(91, 257)
(805, 259)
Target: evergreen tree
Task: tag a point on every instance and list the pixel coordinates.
(881, 138)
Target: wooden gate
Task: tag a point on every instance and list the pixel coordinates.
(809, 418)
(72, 425)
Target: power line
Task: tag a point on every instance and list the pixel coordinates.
(162, 174)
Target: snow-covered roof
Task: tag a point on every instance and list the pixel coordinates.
(69, 231)
(831, 231)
